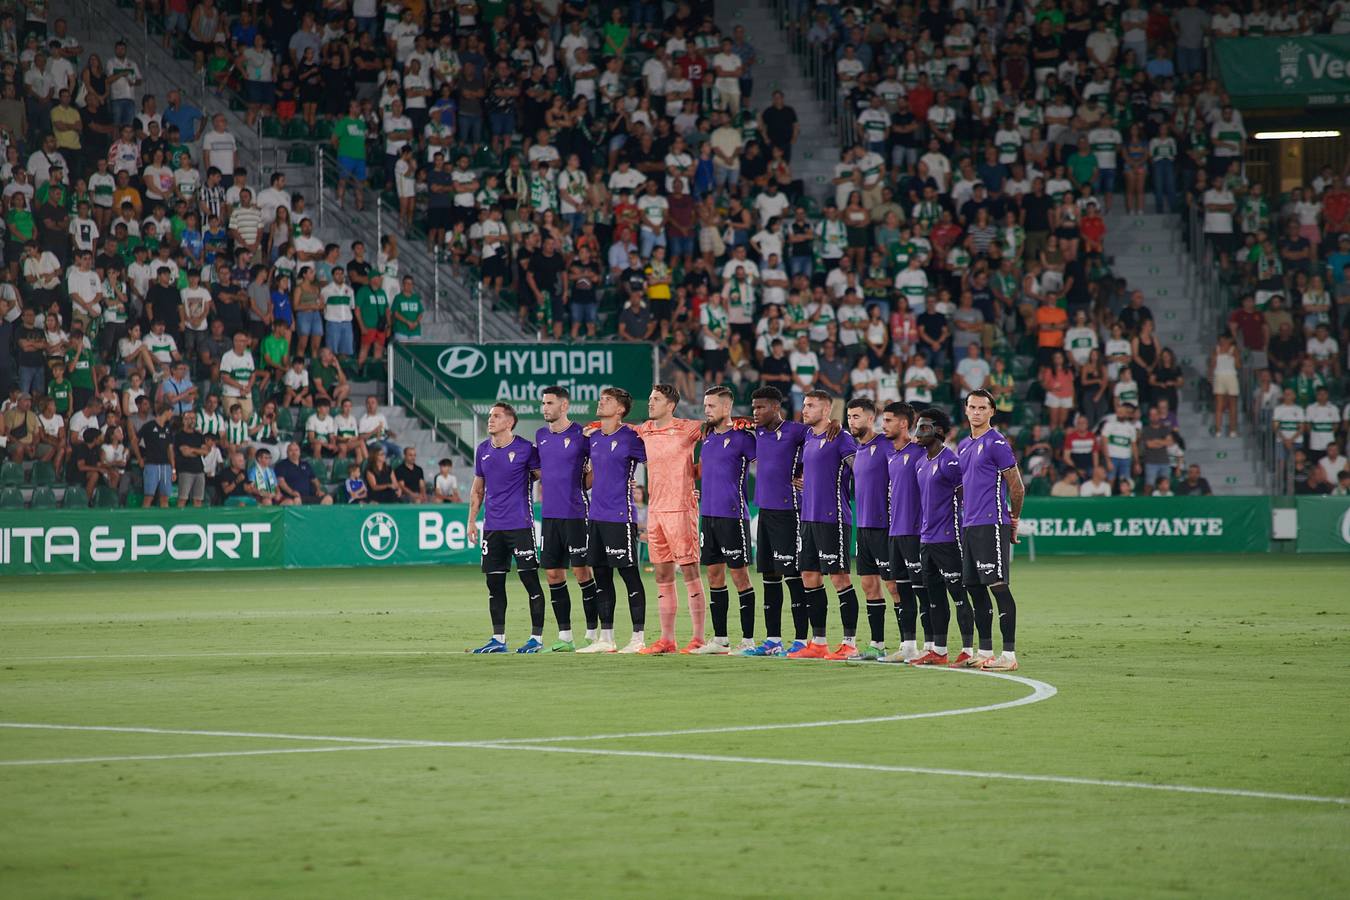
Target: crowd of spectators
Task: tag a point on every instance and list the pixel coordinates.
(610, 171)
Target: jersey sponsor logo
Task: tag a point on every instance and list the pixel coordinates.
(379, 536)
(985, 568)
(462, 362)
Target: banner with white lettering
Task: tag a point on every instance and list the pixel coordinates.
(136, 540)
(483, 374)
(1124, 525)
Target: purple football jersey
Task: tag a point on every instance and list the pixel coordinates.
(827, 478)
(905, 489)
(984, 501)
(507, 504)
(725, 460)
(938, 479)
(614, 459)
(872, 483)
(779, 455)
(562, 459)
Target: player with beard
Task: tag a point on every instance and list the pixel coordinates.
(778, 455)
(939, 478)
(911, 604)
(827, 526)
(503, 470)
(989, 528)
(724, 520)
(563, 461)
(615, 453)
(871, 496)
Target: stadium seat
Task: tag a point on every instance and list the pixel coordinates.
(43, 474)
(43, 498)
(11, 474)
(321, 467)
(11, 498)
(135, 499)
(105, 497)
(271, 127)
(75, 497)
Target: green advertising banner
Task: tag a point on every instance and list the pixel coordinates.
(1128, 525)
(1323, 525)
(482, 374)
(311, 537)
(391, 535)
(1283, 72)
(151, 540)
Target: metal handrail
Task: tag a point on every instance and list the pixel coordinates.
(431, 399)
(1215, 300)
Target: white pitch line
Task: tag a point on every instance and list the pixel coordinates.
(1039, 691)
(921, 770)
(161, 756)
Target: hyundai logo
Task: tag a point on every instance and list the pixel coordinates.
(462, 362)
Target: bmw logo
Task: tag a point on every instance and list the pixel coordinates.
(379, 536)
(462, 361)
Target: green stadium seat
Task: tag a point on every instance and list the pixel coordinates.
(11, 474)
(43, 473)
(285, 421)
(321, 467)
(300, 154)
(105, 497)
(271, 127)
(11, 498)
(297, 130)
(134, 499)
(322, 131)
(75, 497)
(43, 498)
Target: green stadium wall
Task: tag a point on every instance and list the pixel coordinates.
(93, 541)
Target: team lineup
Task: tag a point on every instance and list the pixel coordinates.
(932, 523)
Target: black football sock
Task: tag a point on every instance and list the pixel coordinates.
(747, 598)
(906, 611)
(925, 612)
(799, 608)
(876, 619)
(637, 596)
(530, 579)
(848, 611)
(1007, 616)
(817, 609)
(773, 606)
(718, 601)
(561, 601)
(496, 586)
(939, 614)
(604, 584)
(590, 603)
(984, 614)
(965, 619)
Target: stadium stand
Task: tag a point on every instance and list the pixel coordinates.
(229, 209)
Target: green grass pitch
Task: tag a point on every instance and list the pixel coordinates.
(1214, 672)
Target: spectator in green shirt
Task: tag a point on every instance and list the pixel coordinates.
(372, 314)
(407, 312)
(276, 350)
(327, 379)
(349, 136)
(1082, 164)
